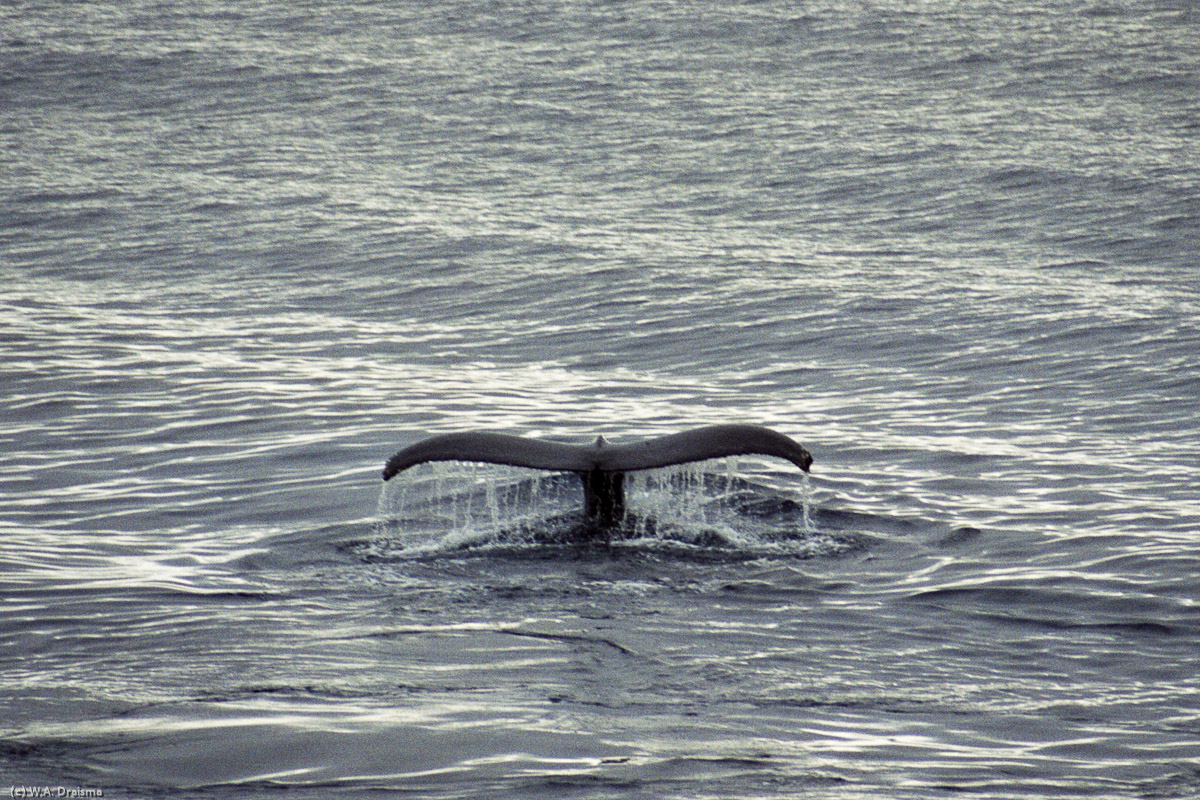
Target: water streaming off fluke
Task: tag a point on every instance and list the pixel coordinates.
(451, 506)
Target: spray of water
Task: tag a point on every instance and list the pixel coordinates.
(455, 505)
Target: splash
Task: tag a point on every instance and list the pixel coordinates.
(457, 503)
(806, 503)
(452, 506)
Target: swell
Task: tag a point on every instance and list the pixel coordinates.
(1081, 604)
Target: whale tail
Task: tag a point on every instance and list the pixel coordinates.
(601, 466)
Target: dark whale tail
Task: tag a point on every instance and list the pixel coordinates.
(602, 466)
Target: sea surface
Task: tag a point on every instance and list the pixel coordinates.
(248, 250)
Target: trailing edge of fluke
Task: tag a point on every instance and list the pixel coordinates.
(600, 465)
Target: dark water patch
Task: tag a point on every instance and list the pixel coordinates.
(846, 519)
(1082, 608)
(1135, 629)
(757, 588)
(1180, 781)
(331, 692)
(959, 537)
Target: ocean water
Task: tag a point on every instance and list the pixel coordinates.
(251, 249)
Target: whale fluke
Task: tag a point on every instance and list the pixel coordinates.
(600, 465)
